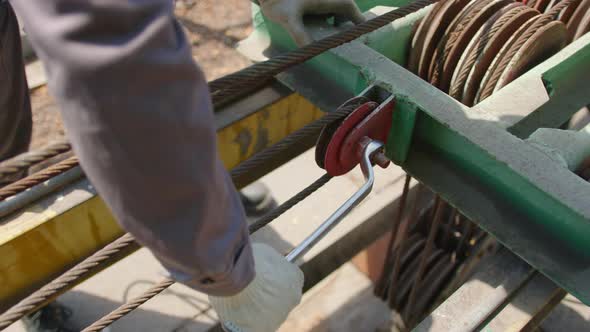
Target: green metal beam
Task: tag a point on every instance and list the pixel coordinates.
(476, 158)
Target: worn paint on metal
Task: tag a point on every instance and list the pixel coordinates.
(402, 131)
(42, 244)
(264, 128)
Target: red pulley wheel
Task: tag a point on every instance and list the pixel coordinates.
(328, 131)
(332, 159)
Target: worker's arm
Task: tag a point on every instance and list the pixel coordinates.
(138, 113)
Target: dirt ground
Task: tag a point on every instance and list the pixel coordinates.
(213, 28)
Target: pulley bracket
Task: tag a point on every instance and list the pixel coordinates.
(340, 145)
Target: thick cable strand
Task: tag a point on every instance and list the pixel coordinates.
(123, 310)
(291, 202)
(23, 161)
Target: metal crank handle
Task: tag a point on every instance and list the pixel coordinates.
(368, 151)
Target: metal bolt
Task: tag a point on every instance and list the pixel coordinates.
(380, 159)
(377, 157)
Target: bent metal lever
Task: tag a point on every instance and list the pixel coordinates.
(370, 149)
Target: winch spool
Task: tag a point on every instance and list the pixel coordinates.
(470, 49)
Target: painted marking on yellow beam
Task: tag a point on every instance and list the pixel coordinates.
(264, 128)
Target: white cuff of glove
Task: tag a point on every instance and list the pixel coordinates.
(266, 302)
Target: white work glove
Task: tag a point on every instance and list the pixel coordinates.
(266, 302)
(289, 14)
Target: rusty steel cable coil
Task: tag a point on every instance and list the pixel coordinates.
(472, 48)
(468, 49)
(425, 250)
(545, 31)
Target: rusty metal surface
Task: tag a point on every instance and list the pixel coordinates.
(474, 52)
(24, 161)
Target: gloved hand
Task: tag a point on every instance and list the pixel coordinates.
(266, 302)
(289, 14)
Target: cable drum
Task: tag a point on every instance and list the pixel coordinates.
(471, 49)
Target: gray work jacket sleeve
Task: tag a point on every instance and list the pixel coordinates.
(138, 112)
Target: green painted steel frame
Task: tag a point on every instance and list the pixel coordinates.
(477, 158)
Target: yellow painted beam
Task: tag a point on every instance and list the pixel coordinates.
(264, 128)
(44, 240)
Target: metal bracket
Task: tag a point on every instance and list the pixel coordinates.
(372, 119)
